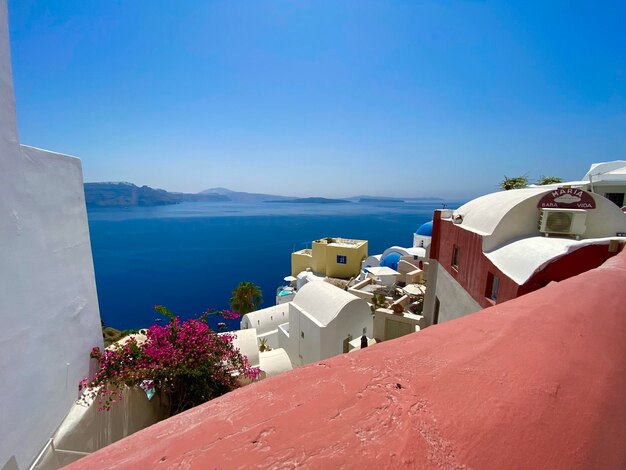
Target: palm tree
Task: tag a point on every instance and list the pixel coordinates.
(246, 298)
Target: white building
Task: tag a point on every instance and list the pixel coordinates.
(271, 362)
(266, 322)
(48, 302)
(609, 180)
(606, 178)
(319, 323)
(323, 319)
(411, 263)
(506, 244)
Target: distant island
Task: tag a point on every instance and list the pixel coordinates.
(369, 198)
(314, 200)
(239, 196)
(122, 194)
(379, 199)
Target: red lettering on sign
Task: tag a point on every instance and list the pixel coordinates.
(567, 198)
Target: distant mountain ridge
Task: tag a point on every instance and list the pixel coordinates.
(124, 194)
(129, 195)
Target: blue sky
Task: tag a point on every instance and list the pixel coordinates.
(324, 98)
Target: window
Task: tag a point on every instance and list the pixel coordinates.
(341, 259)
(616, 198)
(455, 257)
(493, 285)
(302, 334)
(436, 312)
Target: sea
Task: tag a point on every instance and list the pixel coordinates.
(189, 257)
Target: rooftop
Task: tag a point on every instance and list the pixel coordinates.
(322, 301)
(520, 259)
(483, 214)
(607, 172)
(266, 319)
(343, 242)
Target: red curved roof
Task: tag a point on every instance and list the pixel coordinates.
(536, 382)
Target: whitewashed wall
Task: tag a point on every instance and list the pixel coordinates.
(353, 317)
(303, 345)
(454, 301)
(48, 304)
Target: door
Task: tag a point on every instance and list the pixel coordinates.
(395, 329)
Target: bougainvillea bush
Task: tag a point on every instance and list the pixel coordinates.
(185, 361)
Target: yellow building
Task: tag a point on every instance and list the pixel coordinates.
(332, 257)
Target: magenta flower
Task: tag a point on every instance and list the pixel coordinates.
(184, 360)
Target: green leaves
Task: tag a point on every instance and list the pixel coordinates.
(549, 180)
(246, 298)
(517, 182)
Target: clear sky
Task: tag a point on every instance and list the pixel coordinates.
(323, 98)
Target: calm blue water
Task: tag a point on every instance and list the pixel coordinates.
(190, 256)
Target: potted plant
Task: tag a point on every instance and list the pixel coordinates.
(263, 346)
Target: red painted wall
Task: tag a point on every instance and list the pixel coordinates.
(474, 266)
(577, 262)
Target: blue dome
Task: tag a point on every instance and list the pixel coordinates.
(391, 260)
(426, 230)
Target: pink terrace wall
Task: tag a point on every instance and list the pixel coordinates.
(537, 382)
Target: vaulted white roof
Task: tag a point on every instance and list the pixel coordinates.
(266, 319)
(245, 341)
(520, 259)
(483, 214)
(323, 301)
(274, 362)
(607, 171)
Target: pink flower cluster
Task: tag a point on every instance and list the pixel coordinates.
(187, 362)
(227, 314)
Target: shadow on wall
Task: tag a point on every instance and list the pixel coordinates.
(86, 430)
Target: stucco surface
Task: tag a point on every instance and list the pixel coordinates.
(246, 342)
(322, 301)
(520, 259)
(537, 382)
(274, 362)
(483, 214)
(454, 301)
(607, 171)
(266, 319)
(48, 302)
(508, 215)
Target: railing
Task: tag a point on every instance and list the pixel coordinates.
(289, 289)
(55, 453)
